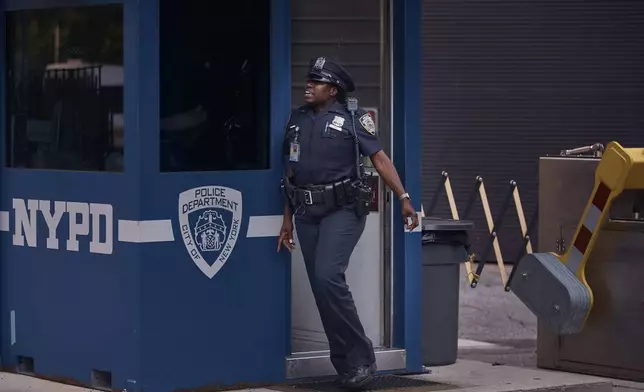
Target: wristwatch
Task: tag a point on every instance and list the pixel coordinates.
(404, 196)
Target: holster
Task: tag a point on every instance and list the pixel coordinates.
(288, 191)
(363, 197)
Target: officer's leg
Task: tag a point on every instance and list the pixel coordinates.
(338, 235)
(308, 233)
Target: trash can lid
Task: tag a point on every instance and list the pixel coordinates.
(439, 224)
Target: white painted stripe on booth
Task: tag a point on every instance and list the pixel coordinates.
(145, 231)
(161, 230)
(269, 226)
(264, 226)
(4, 221)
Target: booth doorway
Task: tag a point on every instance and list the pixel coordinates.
(357, 35)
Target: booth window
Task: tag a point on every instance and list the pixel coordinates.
(214, 85)
(64, 88)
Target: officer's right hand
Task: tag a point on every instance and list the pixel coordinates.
(409, 213)
(286, 236)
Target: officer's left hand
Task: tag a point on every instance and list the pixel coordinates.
(409, 212)
(286, 236)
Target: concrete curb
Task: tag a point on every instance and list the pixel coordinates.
(585, 387)
(464, 376)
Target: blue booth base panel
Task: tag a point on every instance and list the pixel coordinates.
(70, 305)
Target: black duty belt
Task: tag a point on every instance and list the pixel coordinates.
(339, 193)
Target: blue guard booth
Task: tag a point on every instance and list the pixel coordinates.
(140, 203)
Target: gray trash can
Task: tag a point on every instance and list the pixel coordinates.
(443, 251)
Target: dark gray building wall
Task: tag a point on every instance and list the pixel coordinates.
(347, 31)
(505, 82)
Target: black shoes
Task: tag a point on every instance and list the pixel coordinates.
(358, 378)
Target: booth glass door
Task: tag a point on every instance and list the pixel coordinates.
(214, 108)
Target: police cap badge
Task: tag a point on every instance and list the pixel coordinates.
(325, 70)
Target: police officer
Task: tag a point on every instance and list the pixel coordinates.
(325, 197)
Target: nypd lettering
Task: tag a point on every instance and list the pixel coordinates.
(210, 222)
(84, 219)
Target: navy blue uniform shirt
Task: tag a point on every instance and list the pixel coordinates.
(327, 147)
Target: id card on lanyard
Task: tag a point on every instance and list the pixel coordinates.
(294, 155)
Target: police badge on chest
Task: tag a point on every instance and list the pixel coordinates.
(337, 123)
(334, 126)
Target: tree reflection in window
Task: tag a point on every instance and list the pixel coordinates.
(64, 95)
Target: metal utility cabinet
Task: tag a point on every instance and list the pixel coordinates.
(611, 343)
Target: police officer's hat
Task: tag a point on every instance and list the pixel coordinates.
(326, 70)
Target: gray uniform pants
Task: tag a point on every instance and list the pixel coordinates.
(327, 238)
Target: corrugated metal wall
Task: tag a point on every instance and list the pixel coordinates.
(348, 31)
(505, 82)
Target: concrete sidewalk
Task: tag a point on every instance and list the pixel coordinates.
(17, 383)
(475, 376)
(465, 376)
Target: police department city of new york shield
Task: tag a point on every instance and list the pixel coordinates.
(210, 221)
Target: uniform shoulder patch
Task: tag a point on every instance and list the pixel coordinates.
(368, 124)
